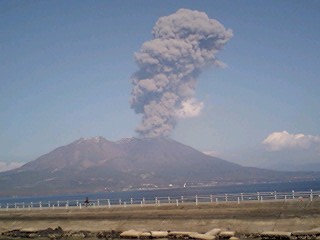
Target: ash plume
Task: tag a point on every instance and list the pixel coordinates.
(183, 44)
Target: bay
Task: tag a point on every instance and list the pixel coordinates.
(127, 196)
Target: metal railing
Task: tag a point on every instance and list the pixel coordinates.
(157, 201)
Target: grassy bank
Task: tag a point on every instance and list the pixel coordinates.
(244, 217)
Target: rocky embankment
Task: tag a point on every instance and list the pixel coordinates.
(213, 234)
(58, 233)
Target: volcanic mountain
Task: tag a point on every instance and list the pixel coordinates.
(96, 164)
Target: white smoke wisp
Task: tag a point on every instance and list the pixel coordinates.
(6, 166)
(163, 90)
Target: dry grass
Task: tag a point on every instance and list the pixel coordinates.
(244, 217)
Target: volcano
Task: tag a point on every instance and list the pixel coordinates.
(96, 164)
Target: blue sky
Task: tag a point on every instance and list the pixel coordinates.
(66, 66)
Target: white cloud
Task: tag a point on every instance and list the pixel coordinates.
(283, 140)
(6, 166)
(190, 108)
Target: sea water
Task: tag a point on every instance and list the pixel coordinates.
(125, 196)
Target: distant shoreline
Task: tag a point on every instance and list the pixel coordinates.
(171, 192)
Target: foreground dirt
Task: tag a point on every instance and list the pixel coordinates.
(245, 217)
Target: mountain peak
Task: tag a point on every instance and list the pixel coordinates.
(127, 140)
(96, 139)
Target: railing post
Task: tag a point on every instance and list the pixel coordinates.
(292, 194)
(239, 198)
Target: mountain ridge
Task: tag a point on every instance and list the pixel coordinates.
(97, 164)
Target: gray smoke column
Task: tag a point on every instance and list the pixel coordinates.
(183, 44)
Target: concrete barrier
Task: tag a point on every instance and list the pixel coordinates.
(159, 234)
(214, 231)
(227, 234)
(130, 234)
(202, 236)
(233, 238)
(145, 235)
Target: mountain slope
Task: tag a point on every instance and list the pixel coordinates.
(97, 164)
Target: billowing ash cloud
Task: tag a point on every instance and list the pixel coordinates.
(183, 44)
